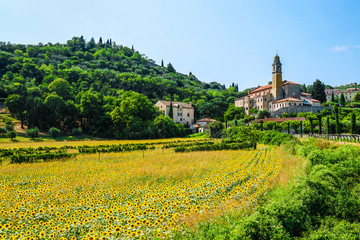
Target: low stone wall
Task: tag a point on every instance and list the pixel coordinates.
(296, 110)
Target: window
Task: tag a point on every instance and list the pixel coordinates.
(188, 114)
(180, 119)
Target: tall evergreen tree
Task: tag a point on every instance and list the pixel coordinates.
(170, 68)
(328, 125)
(332, 97)
(336, 111)
(171, 111)
(319, 117)
(353, 123)
(162, 63)
(318, 91)
(342, 100)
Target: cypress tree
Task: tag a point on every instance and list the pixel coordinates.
(353, 123)
(301, 127)
(162, 63)
(170, 68)
(332, 97)
(327, 124)
(342, 100)
(336, 111)
(262, 125)
(288, 127)
(311, 125)
(171, 111)
(320, 123)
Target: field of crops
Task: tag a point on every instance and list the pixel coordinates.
(128, 194)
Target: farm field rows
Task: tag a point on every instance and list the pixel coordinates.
(128, 195)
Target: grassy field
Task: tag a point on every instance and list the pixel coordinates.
(128, 195)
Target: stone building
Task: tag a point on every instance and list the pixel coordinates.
(182, 112)
(279, 96)
(349, 93)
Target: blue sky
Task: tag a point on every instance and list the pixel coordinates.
(217, 40)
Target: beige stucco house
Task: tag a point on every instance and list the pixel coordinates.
(182, 112)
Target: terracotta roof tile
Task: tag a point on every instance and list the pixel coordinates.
(288, 99)
(175, 104)
(206, 120)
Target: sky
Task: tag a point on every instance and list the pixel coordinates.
(217, 40)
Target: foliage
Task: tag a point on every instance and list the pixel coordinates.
(80, 83)
(54, 132)
(318, 91)
(11, 134)
(277, 138)
(3, 131)
(263, 114)
(33, 133)
(76, 132)
(233, 113)
(215, 129)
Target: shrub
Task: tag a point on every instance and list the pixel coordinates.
(12, 135)
(33, 133)
(2, 130)
(9, 127)
(76, 132)
(54, 132)
(216, 129)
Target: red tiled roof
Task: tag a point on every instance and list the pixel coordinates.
(288, 82)
(175, 104)
(304, 93)
(206, 120)
(280, 119)
(260, 88)
(270, 86)
(288, 99)
(314, 100)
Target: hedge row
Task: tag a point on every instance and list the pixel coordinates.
(215, 147)
(29, 158)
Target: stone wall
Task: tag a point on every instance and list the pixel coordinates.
(296, 110)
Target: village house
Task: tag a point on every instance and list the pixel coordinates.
(203, 124)
(182, 112)
(349, 93)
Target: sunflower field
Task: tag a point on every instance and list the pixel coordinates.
(129, 195)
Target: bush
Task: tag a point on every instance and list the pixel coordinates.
(216, 129)
(12, 135)
(54, 132)
(33, 133)
(9, 127)
(2, 131)
(76, 132)
(274, 137)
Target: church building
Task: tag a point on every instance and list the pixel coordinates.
(278, 97)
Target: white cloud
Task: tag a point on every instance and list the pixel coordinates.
(343, 48)
(340, 48)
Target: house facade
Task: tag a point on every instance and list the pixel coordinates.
(279, 96)
(203, 124)
(182, 112)
(349, 93)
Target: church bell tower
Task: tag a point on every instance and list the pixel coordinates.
(277, 90)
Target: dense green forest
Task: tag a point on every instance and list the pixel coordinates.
(106, 89)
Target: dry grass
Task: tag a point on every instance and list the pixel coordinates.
(291, 167)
